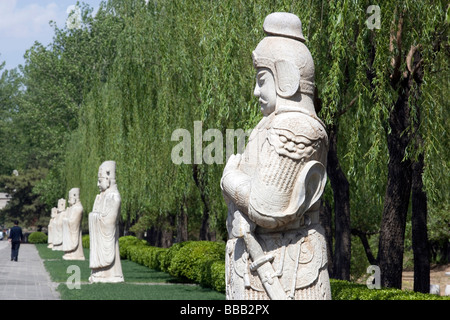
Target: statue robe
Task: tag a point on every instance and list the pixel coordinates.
(72, 242)
(104, 237)
(50, 233)
(57, 232)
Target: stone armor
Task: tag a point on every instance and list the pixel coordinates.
(294, 241)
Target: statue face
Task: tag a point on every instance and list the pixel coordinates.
(265, 90)
(72, 199)
(102, 183)
(61, 205)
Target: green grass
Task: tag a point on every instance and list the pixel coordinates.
(130, 291)
(141, 283)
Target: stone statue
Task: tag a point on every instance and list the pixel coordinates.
(276, 247)
(50, 228)
(72, 238)
(103, 228)
(57, 230)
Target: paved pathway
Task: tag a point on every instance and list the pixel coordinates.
(26, 279)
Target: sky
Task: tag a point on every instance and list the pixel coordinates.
(22, 22)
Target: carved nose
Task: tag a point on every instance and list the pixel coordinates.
(256, 91)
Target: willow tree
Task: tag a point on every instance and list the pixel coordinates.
(376, 95)
(11, 134)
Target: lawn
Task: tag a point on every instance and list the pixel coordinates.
(141, 283)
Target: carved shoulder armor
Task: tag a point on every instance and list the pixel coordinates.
(292, 142)
(296, 135)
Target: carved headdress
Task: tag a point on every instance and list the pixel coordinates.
(74, 194)
(108, 170)
(61, 205)
(289, 60)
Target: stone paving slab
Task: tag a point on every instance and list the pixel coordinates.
(26, 279)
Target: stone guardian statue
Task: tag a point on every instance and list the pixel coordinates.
(57, 230)
(50, 228)
(72, 238)
(103, 228)
(276, 247)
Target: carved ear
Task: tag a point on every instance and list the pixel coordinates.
(288, 78)
(316, 178)
(309, 187)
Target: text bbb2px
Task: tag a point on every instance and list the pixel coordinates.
(226, 309)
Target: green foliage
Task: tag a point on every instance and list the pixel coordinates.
(164, 73)
(132, 291)
(171, 253)
(202, 262)
(125, 242)
(118, 87)
(37, 237)
(12, 138)
(139, 251)
(25, 204)
(136, 287)
(194, 260)
(216, 273)
(85, 240)
(344, 290)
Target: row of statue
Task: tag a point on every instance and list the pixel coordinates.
(64, 229)
(276, 247)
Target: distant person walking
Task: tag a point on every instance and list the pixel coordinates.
(15, 237)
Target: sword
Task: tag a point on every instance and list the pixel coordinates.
(263, 266)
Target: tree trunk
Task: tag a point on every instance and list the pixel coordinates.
(393, 223)
(341, 195)
(365, 242)
(419, 230)
(161, 233)
(325, 221)
(204, 229)
(182, 225)
(153, 236)
(420, 244)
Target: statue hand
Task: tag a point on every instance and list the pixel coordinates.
(241, 225)
(232, 163)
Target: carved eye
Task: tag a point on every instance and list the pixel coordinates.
(283, 139)
(260, 78)
(301, 146)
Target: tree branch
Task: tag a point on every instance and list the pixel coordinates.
(341, 112)
(365, 242)
(409, 61)
(397, 38)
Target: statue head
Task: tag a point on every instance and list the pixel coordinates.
(74, 196)
(283, 57)
(61, 205)
(54, 212)
(106, 175)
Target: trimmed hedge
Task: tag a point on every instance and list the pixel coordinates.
(345, 290)
(37, 237)
(85, 241)
(202, 262)
(194, 261)
(171, 253)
